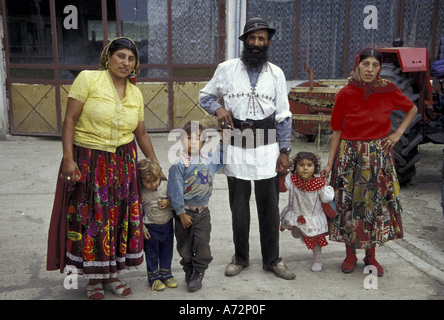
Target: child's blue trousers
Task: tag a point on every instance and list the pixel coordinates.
(159, 251)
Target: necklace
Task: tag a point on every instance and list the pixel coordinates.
(118, 89)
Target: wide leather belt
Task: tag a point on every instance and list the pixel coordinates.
(254, 133)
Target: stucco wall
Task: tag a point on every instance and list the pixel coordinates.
(3, 102)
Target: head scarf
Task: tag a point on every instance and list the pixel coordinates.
(103, 64)
(377, 85)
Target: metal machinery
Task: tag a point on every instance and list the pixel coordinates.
(312, 102)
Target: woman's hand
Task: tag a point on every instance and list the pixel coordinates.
(389, 142)
(326, 171)
(70, 171)
(334, 144)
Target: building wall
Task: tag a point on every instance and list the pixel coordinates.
(302, 29)
(4, 129)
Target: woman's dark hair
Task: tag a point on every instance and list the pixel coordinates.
(370, 53)
(306, 156)
(123, 43)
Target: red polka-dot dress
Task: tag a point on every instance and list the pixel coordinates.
(304, 209)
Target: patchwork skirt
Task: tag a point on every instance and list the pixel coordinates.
(366, 195)
(96, 224)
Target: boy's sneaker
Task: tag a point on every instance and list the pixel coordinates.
(188, 275)
(196, 281)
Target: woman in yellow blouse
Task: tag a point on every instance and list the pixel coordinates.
(96, 227)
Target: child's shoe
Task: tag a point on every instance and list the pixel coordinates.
(170, 283)
(157, 286)
(188, 275)
(317, 259)
(196, 281)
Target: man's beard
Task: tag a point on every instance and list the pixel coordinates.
(254, 60)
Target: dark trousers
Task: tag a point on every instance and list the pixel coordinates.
(159, 251)
(267, 202)
(193, 244)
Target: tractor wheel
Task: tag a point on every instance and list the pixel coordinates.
(442, 188)
(405, 152)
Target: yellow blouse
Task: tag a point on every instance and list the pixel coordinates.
(106, 122)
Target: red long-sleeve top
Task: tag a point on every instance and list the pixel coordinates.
(360, 119)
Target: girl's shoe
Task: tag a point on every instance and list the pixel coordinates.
(157, 286)
(170, 283)
(317, 259)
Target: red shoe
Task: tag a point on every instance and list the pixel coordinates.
(370, 260)
(348, 266)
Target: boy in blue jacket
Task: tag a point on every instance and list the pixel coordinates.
(190, 184)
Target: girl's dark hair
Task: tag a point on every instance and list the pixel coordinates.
(306, 156)
(123, 43)
(370, 53)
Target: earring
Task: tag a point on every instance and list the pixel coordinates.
(107, 65)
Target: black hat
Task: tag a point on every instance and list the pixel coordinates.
(256, 24)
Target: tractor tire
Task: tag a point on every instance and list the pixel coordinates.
(442, 188)
(405, 152)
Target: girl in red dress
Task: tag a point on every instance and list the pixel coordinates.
(304, 214)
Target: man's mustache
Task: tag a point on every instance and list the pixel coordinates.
(252, 47)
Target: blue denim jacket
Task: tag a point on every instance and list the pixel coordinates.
(193, 184)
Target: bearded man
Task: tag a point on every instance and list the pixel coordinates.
(256, 105)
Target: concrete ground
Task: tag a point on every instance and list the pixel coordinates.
(413, 266)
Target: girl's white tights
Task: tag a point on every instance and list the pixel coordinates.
(317, 259)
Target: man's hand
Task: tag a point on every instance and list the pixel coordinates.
(224, 118)
(283, 164)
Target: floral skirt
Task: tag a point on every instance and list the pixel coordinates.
(101, 215)
(366, 195)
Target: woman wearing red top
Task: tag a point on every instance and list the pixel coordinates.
(363, 176)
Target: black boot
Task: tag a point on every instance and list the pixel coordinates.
(188, 275)
(196, 281)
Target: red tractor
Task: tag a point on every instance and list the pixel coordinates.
(312, 102)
